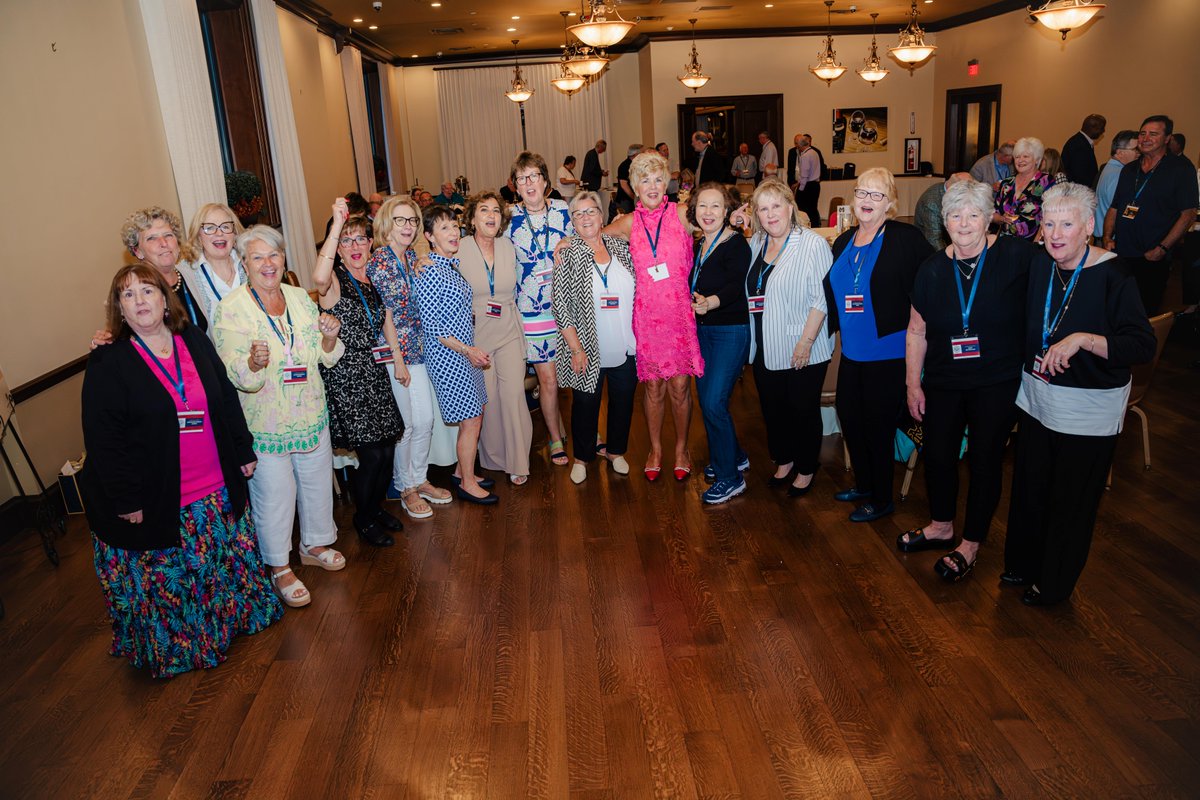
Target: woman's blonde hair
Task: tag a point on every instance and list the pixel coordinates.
(773, 187)
(384, 222)
(193, 239)
(645, 164)
(883, 178)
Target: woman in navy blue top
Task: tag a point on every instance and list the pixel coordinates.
(867, 292)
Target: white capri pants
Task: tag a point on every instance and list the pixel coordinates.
(284, 483)
(417, 407)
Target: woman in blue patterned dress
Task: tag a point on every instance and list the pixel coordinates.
(537, 225)
(455, 364)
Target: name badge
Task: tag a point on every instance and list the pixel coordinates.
(964, 347)
(191, 421)
(493, 309)
(609, 301)
(544, 275)
(382, 355)
(295, 373)
(855, 304)
(659, 272)
(757, 303)
(1039, 371)
(1130, 212)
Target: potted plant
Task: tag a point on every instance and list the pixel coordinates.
(243, 192)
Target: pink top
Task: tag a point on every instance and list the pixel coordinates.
(199, 466)
(663, 322)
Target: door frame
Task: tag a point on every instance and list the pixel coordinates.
(950, 139)
(683, 114)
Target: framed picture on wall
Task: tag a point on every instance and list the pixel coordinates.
(912, 156)
(860, 130)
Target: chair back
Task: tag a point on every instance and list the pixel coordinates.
(1143, 373)
(834, 202)
(829, 389)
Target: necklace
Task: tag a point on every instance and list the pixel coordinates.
(178, 279)
(971, 263)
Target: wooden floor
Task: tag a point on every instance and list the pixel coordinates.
(620, 640)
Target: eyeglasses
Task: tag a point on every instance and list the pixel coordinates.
(209, 228)
(348, 241)
(585, 212)
(863, 194)
(530, 178)
(402, 221)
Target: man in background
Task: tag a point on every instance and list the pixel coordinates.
(804, 176)
(768, 160)
(928, 214)
(1124, 150)
(1078, 154)
(592, 175)
(745, 166)
(995, 167)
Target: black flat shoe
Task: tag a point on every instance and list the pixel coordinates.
(484, 483)
(917, 541)
(1033, 597)
(800, 491)
(850, 495)
(869, 512)
(1013, 579)
(487, 500)
(774, 482)
(374, 535)
(385, 520)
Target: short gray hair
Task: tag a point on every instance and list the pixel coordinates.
(1070, 197)
(259, 233)
(1123, 140)
(634, 149)
(968, 194)
(585, 195)
(1030, 145)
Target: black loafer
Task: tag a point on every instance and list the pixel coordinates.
(374, 535)
(386, 520)
(869, 512)
(484, 483)
(487, 500)
(1013, 579)
(850, 495)
(1032, 597)
(917, 541)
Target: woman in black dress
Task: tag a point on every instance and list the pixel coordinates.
(362, 411)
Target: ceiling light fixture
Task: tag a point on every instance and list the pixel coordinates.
(1066, 15)
(372, 27)
(357, 19)
(693, 75)
(519, 92)
(567, 82)
(827, 68)
(597, 29)
(912, 49)
(872, 71)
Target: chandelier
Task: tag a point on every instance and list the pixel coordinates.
(567, 82)
(1065, 15)
(586, 62)
(912, 49)
(872, 71)
(693, 75)
(827, 68)
(597, 29)
(519, 92)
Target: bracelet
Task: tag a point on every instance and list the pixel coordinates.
(322, 255)
(1165, 249)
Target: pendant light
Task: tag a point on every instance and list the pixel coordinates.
(586, 62)
(1065, 15)
(912, 49)
(567, 82)
(693, 75)
(519, 92)
(598, 29)
(827, 68)
(872, 71)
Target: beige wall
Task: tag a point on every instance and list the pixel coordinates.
(1049, 85)
(322, 120)
(82, 136)
(625, 112)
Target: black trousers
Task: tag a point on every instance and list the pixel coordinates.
(791, 407)
(807, 200)
(585, 412)
(1058, 480)
(371, 478)
(1151, 277)
(987, 414)
(870, 400)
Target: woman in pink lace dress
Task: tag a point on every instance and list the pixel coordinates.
(668, 352)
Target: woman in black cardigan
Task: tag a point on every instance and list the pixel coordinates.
(868, 294)
(168, 454)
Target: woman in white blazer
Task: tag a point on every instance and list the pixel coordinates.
(790, 345)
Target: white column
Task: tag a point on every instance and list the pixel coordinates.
(285, 144)
(395, 122)
(185, 101)
(360, 124)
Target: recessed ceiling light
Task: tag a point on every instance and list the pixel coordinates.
(436, 5)
(414, 55)
(570, 13)
(372, 27)
(516, 17)
(769, 5)
(511, 30)
(358, 19)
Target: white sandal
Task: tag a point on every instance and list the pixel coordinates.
(329, 559)
(415, 506)
(434, 494)
(295, 594)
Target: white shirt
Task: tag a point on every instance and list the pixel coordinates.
(566, 190)
(769, 156)
(212, 288)
(614, 327)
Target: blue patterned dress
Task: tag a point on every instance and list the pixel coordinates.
(444, 301)
(534, 237)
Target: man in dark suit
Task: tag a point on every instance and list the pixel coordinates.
(592, 174)
(1078, 155)
(709, 165)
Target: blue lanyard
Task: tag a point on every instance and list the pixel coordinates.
(701, 259)
(858, 254)
(287, 345)
(603, 275)
(187, 299)
(177, 381)
(545, 248)
(1149, 175)
(402, 262)
(211, 285)
(363, 298)
(965, 305)
(490, 269)
(657, 233)
(766, 269)
(1049, 327)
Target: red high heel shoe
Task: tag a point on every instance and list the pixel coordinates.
(681, 473)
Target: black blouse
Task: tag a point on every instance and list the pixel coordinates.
(724, 275)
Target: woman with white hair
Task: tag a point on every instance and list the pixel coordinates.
(272, 338)
(963, 363)
(1084, 328)
(1018, 209)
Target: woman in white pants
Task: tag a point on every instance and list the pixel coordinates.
(390, 270)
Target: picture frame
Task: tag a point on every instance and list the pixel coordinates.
(912, 156)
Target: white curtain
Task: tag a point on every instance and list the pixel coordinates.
(360, 124)
(481, 128)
